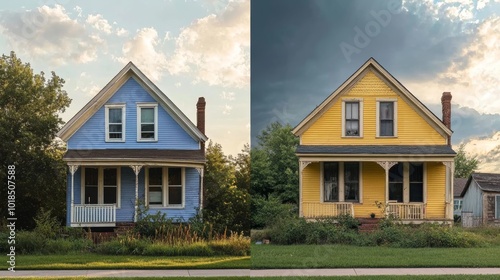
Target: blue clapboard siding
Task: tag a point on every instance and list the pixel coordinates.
(126, 211)
(170, 134)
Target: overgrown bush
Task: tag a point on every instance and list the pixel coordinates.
(267, 212)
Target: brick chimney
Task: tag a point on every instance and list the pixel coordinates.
(200, 117)
(446, 104)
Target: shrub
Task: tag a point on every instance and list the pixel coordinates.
(259, 234)
(46, 225)
(235, 245)
(29, 242)
(289, 231)
(267, 212)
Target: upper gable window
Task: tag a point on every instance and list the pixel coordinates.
(115, 123)
(147, 122)
(352, 115)
(386, 118)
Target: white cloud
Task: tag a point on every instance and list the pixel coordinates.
(216, 48)
(473, 77)
(99, 23)
(178, 84)
(122, 32)
(226, 109)
(78, 9)
(454, 10)
(227, 95)
(49, 33)
(143, 50)
(481, 4)
(487, 150)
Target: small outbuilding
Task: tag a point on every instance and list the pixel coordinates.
(458, 187)
(481, 200)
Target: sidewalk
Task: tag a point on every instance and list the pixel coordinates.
(247, 272)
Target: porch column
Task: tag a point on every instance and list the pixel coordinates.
(303, 165)
(72, 168)
(386, 165)
(450, 170)
(201, 171)
(137, 169)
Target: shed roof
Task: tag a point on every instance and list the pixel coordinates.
(489, 182)
(458, 186)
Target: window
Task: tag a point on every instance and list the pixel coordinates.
(386, 118)
(166, 186)
(101, 185)
(351, 179)
(91, 186)
(416, 182)
(341, 182)
(175, 186)
(331, 181)
(352, 119)
(497, 207)
(147, 122)
(396, 182)
(110, 185)
(115, 123)
(155, 178)
(457, 204)
(406, 182)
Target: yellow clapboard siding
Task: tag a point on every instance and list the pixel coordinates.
(311, 183)
(436, 180)
(373, 178)
(411, 127)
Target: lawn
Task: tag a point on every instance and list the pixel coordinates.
(420, 277)
(95, 261)
(344, 256)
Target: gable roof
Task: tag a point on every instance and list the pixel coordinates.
(372, 65)
(458, 186)
(489, 182)
(129, 71)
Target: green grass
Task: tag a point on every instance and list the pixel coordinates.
(135, 278)
(343, 256)
(395, 277)
(95, 261)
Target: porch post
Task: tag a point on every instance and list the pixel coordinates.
(137, 169)
(201, 170)
(72, 168)
(386, 165)
(450, 166)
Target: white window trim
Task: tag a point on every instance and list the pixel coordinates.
(100, 185)
(497, 214)
(146, 192)
(106, 118)
(341, 184)
(395, 117)
(139, 107)
(165, 204)
(360, 100)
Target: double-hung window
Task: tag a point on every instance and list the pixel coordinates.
(341, 182)
(352, 117)
(147, 122)
(406, 182)
(165, 186)
(115, 122)
(386, 118)
(101, 185)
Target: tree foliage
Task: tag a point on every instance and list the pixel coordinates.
(275, 165)
(29, 105)
(227, 200)
(464, 164)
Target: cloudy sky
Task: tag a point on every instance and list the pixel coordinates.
(303, 50)
(188, 48)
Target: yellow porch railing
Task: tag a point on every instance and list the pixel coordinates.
(406, 211)
(327, 209)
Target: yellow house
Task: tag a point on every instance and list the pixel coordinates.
(373, 147)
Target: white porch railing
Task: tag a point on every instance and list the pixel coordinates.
(406, 211)
(327, 209)
(93, 214)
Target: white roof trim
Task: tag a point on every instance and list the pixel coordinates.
(130, 70)
(328, 102)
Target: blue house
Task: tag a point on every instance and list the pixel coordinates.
(131, 144)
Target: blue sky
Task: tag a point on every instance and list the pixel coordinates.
(188, 48)
(301, 51)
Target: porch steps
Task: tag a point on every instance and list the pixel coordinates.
(368, 224)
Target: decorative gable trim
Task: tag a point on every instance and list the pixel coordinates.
(129, 71)
(373, 66)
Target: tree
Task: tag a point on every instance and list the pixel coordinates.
(29, 105)
(464, 164)
(227, 199)
(275, 167)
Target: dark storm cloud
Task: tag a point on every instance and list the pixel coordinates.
(297, 60)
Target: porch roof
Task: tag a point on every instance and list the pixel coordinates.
(375, 150)
(194, 156)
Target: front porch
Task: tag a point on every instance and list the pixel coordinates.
(93, 215)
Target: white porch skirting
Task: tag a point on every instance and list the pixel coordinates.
(93, 215)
